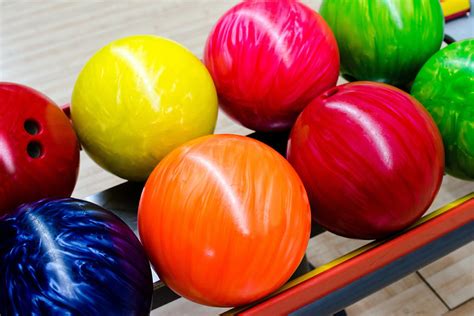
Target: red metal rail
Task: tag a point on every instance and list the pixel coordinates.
(361, 262)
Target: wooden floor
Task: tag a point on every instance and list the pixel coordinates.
(44, 44)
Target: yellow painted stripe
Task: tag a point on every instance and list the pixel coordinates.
(451, 7)
(443, 209)
(372, 245)
(355, 253)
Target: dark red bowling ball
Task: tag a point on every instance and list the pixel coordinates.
(371, 159)
(39, 151)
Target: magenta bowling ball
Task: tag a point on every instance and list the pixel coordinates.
(371, 159)
(269, 59)
(39, 151)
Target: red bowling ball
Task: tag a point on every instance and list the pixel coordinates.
(269, 59)
(371, 159)
(39, 151)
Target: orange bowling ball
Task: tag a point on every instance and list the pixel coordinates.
(224, 219)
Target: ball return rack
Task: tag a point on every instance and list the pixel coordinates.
(328, 289)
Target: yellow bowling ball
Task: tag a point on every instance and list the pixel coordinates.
(138, 98)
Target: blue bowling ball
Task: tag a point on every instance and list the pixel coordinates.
(71, 257)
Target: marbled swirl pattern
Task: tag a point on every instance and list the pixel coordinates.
(269, 59)
(71, 257)
(384, 40)
(371, 159)
(224, 219)
(138, 98)
(445, 86)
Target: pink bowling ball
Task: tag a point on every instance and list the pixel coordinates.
(269, 59)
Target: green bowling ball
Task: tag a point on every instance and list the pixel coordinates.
(445, 86)
(386, 41)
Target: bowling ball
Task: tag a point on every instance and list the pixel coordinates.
(371, 159)
(224, 219)
(39, 151)
(71, 257)
(386, 41)
(445, 86)
(138, 98)
(269, 59)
